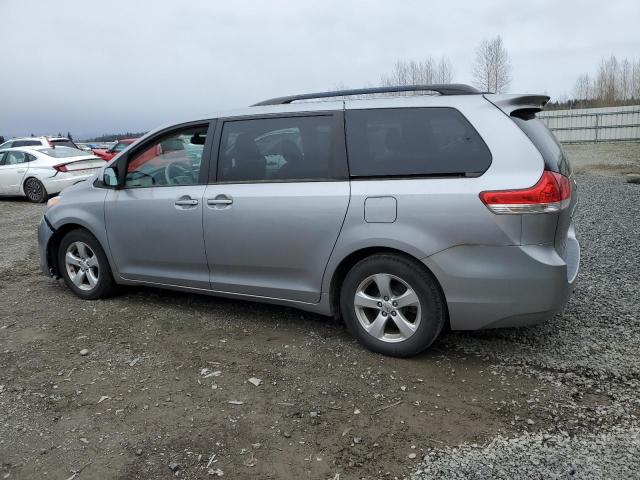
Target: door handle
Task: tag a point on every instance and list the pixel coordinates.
(219, 201)
(187, 202)
(21, 171)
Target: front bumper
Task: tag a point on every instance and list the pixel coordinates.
(505, 286)
(45, 232)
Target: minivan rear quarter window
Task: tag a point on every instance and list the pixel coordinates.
(545, 142)
(399, 142)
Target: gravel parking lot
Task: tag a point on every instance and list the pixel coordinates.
(164, 389)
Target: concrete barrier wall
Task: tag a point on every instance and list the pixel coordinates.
(608, 124)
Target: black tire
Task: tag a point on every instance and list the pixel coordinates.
(105, 285)
(34, 190)
(431, 304)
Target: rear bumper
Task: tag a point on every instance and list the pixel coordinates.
(505, 286)
(45, 232)
(63, 180)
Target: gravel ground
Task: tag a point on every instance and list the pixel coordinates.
(165, 379)
(17, 222)
(591, 351)
(611, 455)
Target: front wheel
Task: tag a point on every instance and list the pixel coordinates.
(392, 305)
(84, 266)
(35, 191)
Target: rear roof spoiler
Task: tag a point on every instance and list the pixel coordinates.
(512, 103)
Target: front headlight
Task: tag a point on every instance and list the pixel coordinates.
(53, 201)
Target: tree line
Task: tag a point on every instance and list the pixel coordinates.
(112, 137)
(615, 82)
(491, 69)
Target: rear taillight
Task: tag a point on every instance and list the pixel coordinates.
(61, 168)
(552, 193)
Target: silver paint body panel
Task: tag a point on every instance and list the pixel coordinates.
(283, 242)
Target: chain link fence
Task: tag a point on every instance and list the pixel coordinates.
(608, 124)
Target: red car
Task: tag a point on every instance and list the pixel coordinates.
(113, 151)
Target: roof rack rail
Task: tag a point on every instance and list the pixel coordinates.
(441, 88)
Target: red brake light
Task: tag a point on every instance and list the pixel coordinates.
(551, 194)
(61, 167)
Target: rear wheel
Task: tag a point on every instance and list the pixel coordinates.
(35, 191)
(84, 266)
(392, 305)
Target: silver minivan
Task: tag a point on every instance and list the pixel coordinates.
(403, 214)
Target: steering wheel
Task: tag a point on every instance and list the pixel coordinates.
(176, 169)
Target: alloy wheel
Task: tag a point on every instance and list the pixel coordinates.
(82, 265)
(387, 307)
(34, 190)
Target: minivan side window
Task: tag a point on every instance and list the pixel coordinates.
(401, 142)
(545, 142)
(277, 149)
(172, 159)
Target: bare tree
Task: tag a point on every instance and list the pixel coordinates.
(582, 89)
(635, 79)
(624, 79)
(492, 67)
(444, 73)
(606, 88)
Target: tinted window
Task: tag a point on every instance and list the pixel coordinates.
(65, 142)
(172, 159)
(120, 146)
(545, 142)
(278, 149)
(414, 141)
(26, 143)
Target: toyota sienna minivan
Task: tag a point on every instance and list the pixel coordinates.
(402, 214)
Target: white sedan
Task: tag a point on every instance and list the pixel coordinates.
(37, 172)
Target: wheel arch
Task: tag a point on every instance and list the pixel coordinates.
(354, 257)
(56, 238)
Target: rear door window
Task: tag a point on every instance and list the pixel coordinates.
(15, 158)
(300, 148)
(401, 142)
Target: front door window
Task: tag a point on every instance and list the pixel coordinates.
(170, 160)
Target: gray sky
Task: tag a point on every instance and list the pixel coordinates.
(93, 67)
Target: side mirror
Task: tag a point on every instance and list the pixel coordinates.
(110, 177)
